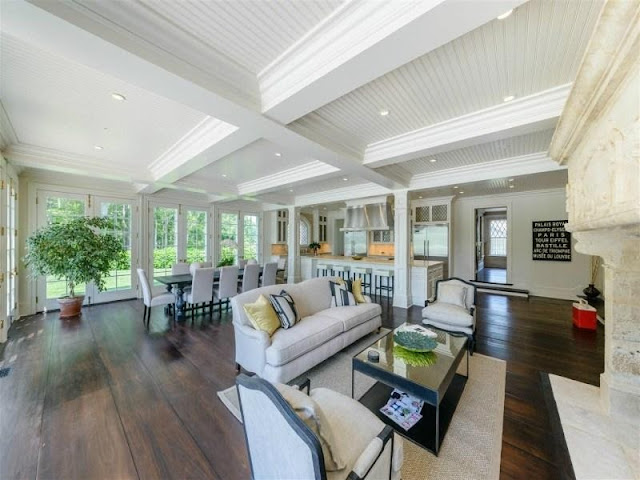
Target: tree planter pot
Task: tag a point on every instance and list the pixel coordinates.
(70, 306)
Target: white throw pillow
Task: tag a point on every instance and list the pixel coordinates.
(310, 413)
(453, 294)
(341, 296)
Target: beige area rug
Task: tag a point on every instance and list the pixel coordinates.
(473, 443)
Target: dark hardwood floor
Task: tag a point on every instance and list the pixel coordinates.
(99, 397)
(492, 275)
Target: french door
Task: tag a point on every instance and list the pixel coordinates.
(239, 236)
(59, 206)
(177, 233)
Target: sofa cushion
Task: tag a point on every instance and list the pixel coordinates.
(447, 313)
(309, 333)
(311, 296)
(354, 315)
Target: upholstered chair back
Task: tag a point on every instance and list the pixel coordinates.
(280, 445)
(470, 298)
(180, 268)
(195, 265)
(242, 262)
(228, 282)
(144, 284)
(250, 277)
(202, 285)
(282, 263)
(269, 274)
(252, 261)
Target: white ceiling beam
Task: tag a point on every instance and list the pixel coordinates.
(7, 133)
(341, 194)
(507, 167)
(360, 42)
(309, 171)
(525, 115)
(98, 43)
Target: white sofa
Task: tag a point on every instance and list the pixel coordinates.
(321, 332)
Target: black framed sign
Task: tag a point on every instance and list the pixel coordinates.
(551, 242)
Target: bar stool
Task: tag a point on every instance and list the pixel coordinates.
(342, 271)
(363, 273)
(387, 285)
(325, 268)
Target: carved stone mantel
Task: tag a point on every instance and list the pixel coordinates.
(598, 138)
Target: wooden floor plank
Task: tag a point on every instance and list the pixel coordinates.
(151, 395)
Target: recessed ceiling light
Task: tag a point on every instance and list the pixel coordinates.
(278, 154)
(455, 186)
(461, 191)
(505, 15)
(510, 186)
(511, 179)
(509, 98)
(118, 96)
(433, 160)
(419, 196)
(384, 112)
(291, 189)
(98, 147)
(224, 175)
(345, 179)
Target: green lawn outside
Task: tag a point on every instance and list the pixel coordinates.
(58, 288)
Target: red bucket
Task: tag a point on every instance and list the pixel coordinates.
(584, 315)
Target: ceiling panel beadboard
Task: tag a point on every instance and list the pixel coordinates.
(251, 32)
(523, 183)
(486, 152)
(538, 47)
(61, 105)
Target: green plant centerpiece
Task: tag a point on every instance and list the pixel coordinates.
(413, 345)
(78, 251)
(315, 246)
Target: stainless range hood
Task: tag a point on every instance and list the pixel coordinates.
(368, 214)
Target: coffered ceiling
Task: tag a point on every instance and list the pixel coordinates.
(281, 100)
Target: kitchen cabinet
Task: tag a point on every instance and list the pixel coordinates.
(382, 236)
(322, 228)
(282, 225)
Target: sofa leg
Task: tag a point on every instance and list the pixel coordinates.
(378, 329)
(238, 368)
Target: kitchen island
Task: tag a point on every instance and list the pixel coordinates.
(423, 274)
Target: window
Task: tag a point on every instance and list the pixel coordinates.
(250, 237)
(120, 215)
(498, 237)
(196, 236)
(304, 231)
(228, 237)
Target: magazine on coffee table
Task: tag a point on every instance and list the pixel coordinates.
(403, 409)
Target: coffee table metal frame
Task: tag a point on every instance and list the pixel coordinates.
(428, 395)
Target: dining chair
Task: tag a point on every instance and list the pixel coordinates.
(281, 273)
(201, 290)
(227, 286)
(252, 261)
(180, 268)
(242, 262)
(149, 299)
(250, 277)
(269, 274)
(195, 265)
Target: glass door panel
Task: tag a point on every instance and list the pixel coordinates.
(58, 207)
(164, 233)
(11, 232)
(250, 237)
(228, 237)
(197, 235)
(119, 284)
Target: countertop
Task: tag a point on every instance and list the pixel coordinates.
(370, 260)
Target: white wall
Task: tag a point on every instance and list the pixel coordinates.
(541, 278)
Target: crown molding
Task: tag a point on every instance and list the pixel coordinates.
(7, 133)
(205, 134)
(521, 165)
(341, 194)
(611, 55)
(31, 156)
(525, 115)
(309, 171)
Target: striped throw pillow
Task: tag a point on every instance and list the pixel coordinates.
(341, 297)
(285, 309)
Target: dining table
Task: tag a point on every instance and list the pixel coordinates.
(177, 283)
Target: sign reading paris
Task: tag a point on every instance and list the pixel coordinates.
(551, 242)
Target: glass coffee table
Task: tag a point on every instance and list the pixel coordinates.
(438, 385)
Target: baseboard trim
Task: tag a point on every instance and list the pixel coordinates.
(503, 292)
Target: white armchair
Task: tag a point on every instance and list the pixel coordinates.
(453, 309)
(281, 445)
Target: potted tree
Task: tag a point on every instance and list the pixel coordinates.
(315, 246)
(79, 251)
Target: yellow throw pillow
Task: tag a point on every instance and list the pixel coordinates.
(356, 289)
(262, 315)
